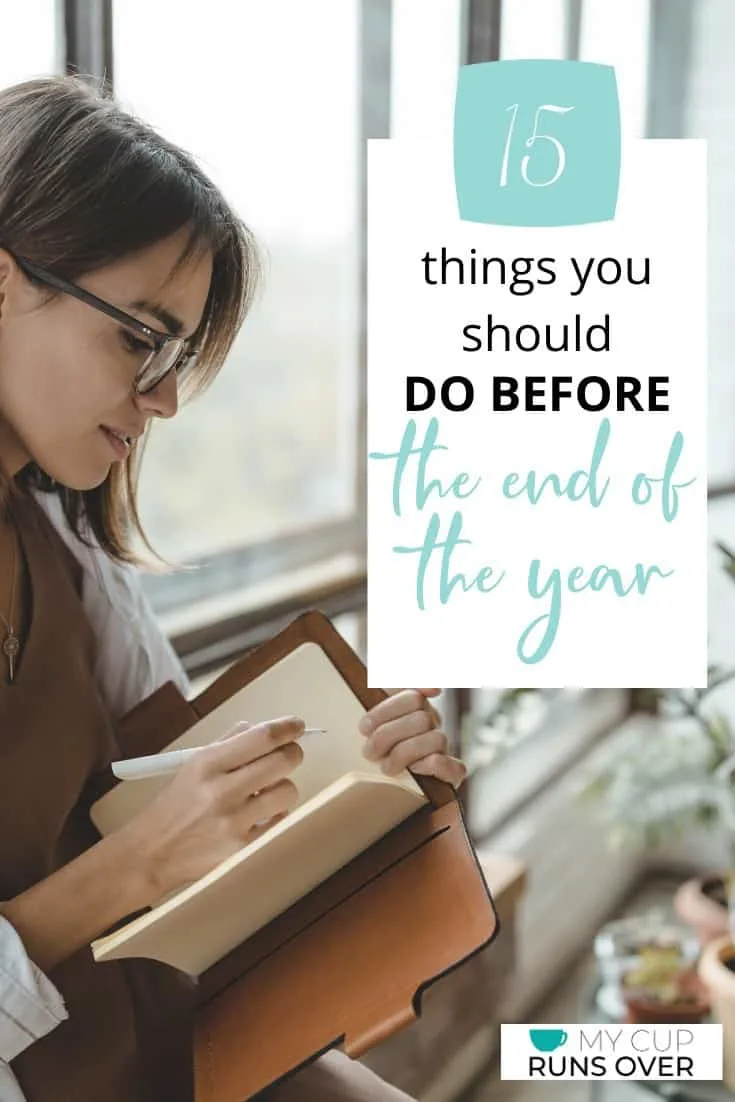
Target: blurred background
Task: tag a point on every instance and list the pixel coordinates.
(589, 808)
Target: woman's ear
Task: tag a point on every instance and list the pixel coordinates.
(16, 293)
(6, 263)
(7, 267)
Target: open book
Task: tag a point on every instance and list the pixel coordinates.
(346, 804)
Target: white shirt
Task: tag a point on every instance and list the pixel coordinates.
(134, 658)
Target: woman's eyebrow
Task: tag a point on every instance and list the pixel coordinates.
(173, 324)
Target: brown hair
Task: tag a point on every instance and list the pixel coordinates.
(82, 184)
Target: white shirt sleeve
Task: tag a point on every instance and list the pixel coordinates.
(30, 1005)
(134, 658)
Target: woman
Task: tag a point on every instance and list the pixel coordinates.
(124, 278)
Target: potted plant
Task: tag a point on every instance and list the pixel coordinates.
(704, 902)
(661, 988)
(622, 944)
(654, 789)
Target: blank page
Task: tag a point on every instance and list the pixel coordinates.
(304, 683)
(199, 925)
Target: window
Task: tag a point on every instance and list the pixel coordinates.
(426, 51)
(266, 97)
(695, 98)
(533, 29)
(512, 760)
(618, 35)
(30, 43)
(275, 101)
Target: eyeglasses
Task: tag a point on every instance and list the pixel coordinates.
(168, 353)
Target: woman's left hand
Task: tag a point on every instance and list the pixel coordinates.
(403, 733)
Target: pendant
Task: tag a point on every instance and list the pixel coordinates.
(11, 646)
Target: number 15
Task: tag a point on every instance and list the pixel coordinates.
(535, 136)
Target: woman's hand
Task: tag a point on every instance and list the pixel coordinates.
(223, 798)
(403, 733)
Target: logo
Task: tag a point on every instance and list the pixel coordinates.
(656, 1052)
(546, 1040)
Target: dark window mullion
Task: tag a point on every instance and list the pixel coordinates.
(573, 32)
(669, 68)
(88, 39)
(481, 31)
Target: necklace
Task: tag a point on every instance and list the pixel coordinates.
(11, 643)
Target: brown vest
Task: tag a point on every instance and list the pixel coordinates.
(127, 1038)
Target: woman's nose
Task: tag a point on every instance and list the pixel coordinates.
(163, 400)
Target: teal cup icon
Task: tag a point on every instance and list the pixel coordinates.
(546, 1040)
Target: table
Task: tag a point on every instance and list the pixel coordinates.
(674, 1091)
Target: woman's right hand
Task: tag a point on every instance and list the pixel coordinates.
(221, 799)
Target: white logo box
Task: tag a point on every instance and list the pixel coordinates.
(547, 1053)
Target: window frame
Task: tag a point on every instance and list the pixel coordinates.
(89, 52)
(87, 36)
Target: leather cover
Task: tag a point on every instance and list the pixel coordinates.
(346, 965)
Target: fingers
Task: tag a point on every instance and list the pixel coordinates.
(243, 725)
(262, 811)
(419, 696)
(435, 714)
(279, 799)
(451, 770)
(405, 753)
(262, 827)
(236, 785)
(390, 735)
(424, 692)
(400, 704)
(248, 744)
(424, 703)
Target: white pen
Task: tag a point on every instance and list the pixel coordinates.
(157, 765)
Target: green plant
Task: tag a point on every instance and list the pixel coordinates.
(657, 975)
(648, 787)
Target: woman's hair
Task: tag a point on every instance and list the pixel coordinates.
(83, 184)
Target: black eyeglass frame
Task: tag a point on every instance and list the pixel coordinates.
(160, 340)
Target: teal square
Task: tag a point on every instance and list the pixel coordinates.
(537, 143)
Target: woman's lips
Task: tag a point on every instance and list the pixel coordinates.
(120, 448)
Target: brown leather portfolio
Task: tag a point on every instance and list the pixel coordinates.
(345, 965)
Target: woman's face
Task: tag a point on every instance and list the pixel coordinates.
(67, 370)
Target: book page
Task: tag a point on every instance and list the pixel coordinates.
(205, 921)
(304, 683)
